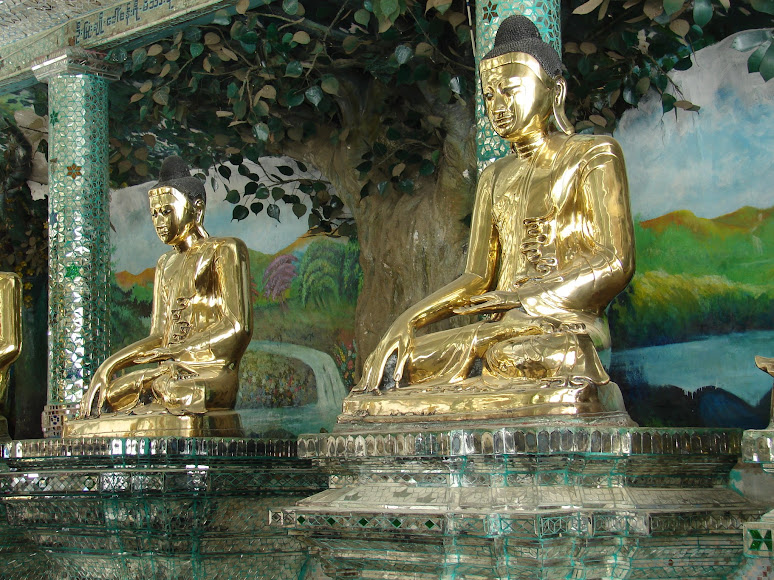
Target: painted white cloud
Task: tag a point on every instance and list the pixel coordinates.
(712, 162)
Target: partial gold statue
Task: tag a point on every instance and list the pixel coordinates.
(767, 366)
(201, 324)
(551, 244)
(10, 336)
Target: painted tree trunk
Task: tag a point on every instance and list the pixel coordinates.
(410, 244)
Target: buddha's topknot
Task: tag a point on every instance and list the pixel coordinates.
(519, 34)
(175, 173)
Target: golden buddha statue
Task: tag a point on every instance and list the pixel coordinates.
(201, 325)
(551, 244)
(10, 335)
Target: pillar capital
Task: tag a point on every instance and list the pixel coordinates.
(75, 60)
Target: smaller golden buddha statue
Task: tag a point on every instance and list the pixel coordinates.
(10, 335)
(201, 324)
(551, 244)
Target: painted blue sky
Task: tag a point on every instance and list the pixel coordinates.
(711, 162)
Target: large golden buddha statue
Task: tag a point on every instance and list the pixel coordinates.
(201, 325)
(551, 244)
(10, 336)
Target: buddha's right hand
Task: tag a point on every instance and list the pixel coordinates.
(398, 339)
(494, 301)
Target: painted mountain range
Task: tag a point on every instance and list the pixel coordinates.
(746, 220)
(697, 277)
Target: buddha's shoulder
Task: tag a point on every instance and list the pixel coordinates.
(222, 241)
(216, 244)
(497, 166)
(210, 245)
(581, 144)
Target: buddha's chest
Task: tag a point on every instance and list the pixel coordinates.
(522, 193)
(190, 273)
(527, 207)
(190, 294)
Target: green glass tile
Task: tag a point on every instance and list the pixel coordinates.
(760, 539)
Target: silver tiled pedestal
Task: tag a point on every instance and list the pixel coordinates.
(143, 509)
(503, 502)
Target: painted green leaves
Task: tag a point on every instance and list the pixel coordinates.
(761, 59)
(272, 187)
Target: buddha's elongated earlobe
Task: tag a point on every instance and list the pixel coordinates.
(560, 118)
(199, 209)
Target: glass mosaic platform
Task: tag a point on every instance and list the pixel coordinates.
(508, 502)
(167, 508)
(758, 447)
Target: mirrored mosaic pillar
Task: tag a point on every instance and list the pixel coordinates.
(78, 225)
(489, 14)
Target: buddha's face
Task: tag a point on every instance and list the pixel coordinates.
(173, 215)
(517, 100)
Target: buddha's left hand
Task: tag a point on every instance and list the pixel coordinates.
(494, 301)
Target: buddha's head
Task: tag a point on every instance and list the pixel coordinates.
(522, 82)
(177, 203)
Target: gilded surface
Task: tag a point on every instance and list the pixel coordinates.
(201, 325)
(10, 334)
(551, 245)
(767, 366)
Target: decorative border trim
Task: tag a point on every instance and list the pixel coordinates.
(580, 523)
(518, 440)
(131, 450)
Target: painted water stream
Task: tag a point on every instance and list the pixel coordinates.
(307, 418)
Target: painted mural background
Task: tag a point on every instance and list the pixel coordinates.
(701, 305)
(685, 332)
